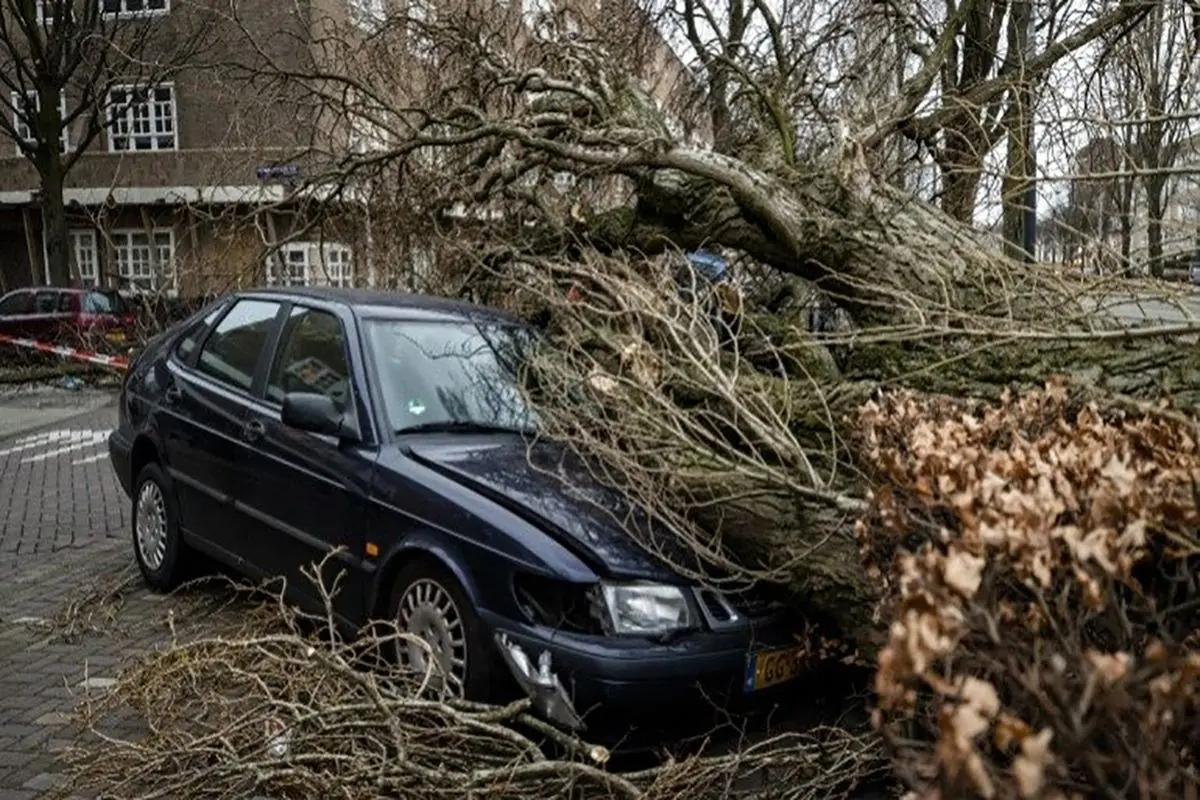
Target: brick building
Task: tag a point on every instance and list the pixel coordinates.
(193, 178)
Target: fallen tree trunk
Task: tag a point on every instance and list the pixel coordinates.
(759, 468)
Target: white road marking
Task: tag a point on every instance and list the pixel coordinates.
(38, 440)
(53, 444)
(70, 448)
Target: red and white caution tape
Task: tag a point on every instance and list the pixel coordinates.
(115, 362)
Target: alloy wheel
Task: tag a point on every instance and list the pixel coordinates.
(151, 521)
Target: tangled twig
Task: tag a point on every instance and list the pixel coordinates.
(272, 709)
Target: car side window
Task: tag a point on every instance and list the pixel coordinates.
(232, 351)
(311, 357)
(46, 303)
(19, 302)
(187, 342)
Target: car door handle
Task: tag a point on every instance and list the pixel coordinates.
(253, 430)
(172, 394)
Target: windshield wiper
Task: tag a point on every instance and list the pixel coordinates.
(462, 426)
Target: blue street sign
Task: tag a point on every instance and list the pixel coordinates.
(278, 171)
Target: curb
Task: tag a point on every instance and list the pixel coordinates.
(69, 416)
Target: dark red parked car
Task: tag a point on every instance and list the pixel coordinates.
(97, 319)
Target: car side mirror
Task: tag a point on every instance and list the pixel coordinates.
(315, 413)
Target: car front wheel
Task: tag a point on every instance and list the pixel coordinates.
(156, 540)
(454, 650)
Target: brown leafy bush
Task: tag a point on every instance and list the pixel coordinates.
(1040, 563)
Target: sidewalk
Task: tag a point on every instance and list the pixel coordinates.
(25, 408)
(62, 535)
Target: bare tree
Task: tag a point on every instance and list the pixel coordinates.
(1153, 76)
(60, 62)
(787, 187)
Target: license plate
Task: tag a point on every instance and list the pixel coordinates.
(771, 667)
(115, 336)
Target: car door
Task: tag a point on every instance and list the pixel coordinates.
(52, 325)
(208, 388)
(304, 493)
(16, 310)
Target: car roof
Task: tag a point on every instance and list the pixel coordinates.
(59, 289)
(373, 302)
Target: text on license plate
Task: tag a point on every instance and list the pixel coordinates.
(115, 336)
(770, 667)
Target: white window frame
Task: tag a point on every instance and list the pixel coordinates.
(367, 15)
(25, 132)
(125, 13)
(83, 241)
(316, 267)
(42, 19)
(166, 274)
(127, 113)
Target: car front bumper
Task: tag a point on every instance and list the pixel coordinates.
(617, 684)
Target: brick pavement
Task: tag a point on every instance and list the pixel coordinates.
(71, 603)
(57, 491)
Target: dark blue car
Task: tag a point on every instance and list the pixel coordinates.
(277, 426)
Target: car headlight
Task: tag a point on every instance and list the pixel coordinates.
(644, 608)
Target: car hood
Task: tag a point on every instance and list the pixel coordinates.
(551, 487)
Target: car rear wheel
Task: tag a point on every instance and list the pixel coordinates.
(428, 603)
(157, 545)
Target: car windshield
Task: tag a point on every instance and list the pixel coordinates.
(451, 374)
(103, 303)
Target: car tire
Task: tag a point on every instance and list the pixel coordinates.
(423, 585)
(158, 546)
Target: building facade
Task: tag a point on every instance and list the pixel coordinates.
(197, 178)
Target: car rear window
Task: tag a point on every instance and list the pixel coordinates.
(104, 303)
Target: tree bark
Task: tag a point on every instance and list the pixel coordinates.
(1155, 210)
(54, 213)
(54, 228)
(887, 258)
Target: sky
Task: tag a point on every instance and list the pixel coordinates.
(1059, 131)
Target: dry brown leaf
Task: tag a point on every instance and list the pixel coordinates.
(1029, 768)
(963, 572)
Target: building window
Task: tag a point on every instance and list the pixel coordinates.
(311, 264)
(145, 260)
(44, 19)
(87, 265)
(134, 8)
(368, 14)
(25, 112)
(142, 118)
